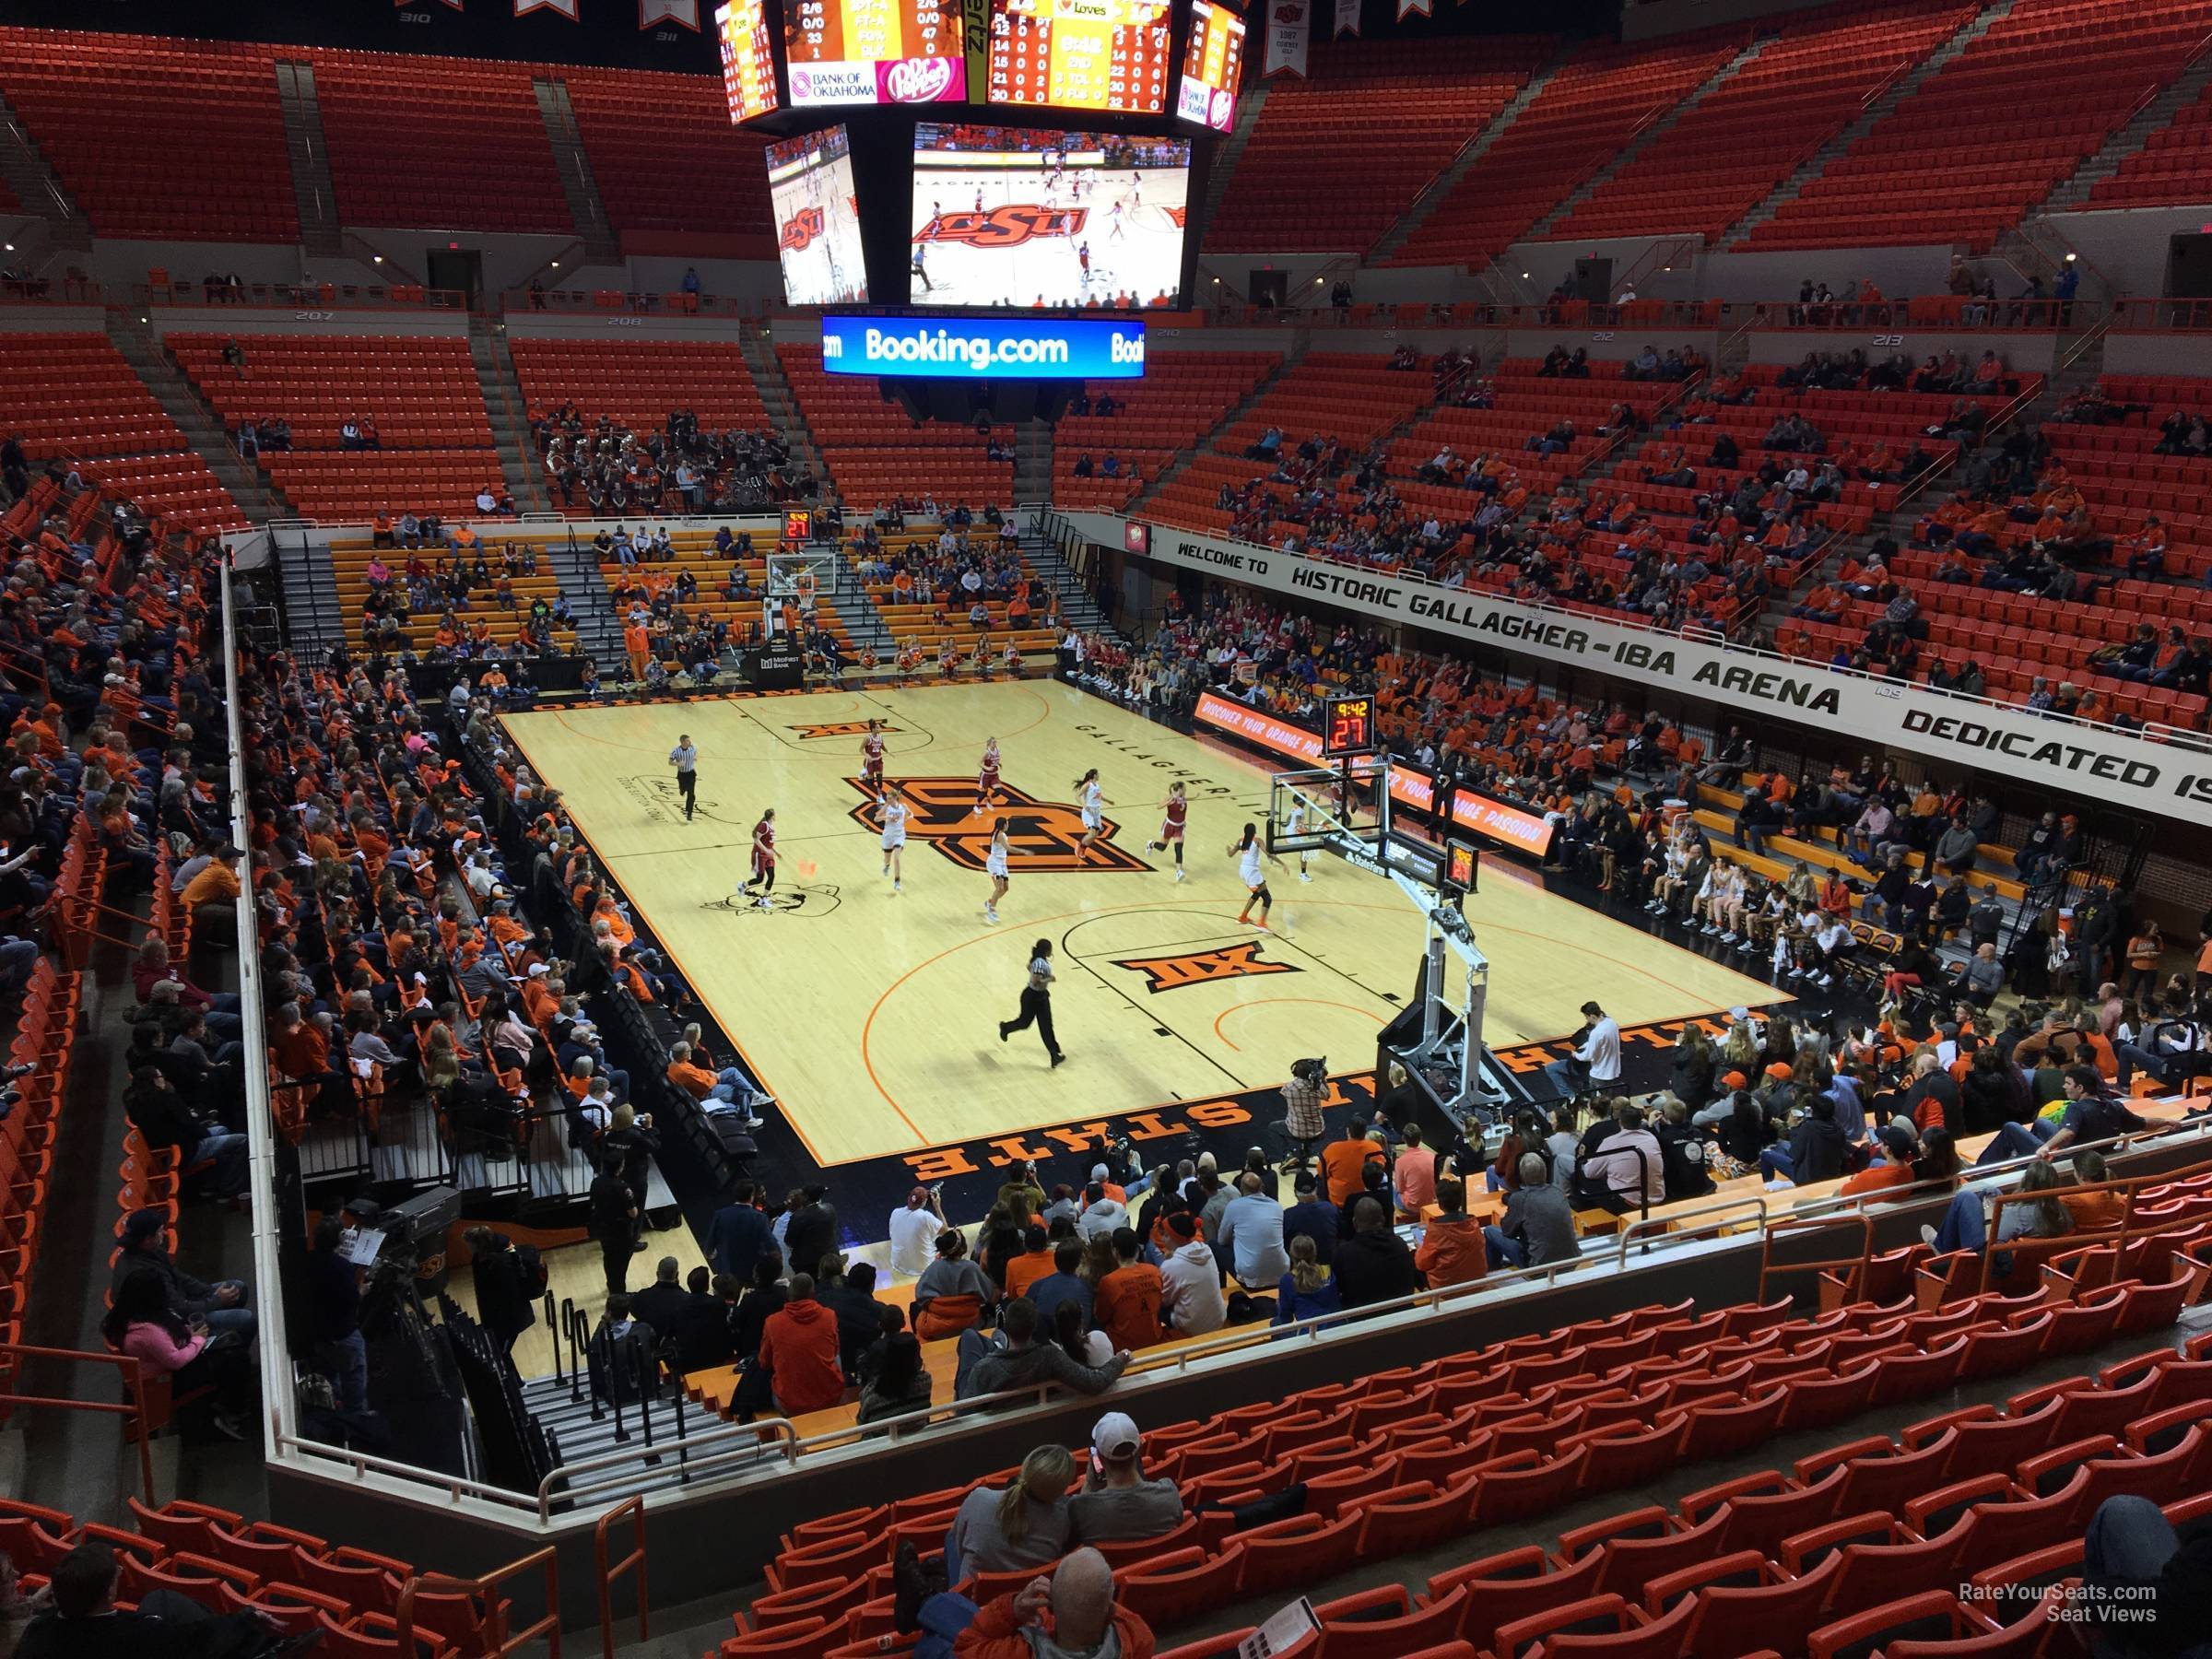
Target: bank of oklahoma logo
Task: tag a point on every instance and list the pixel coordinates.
(1240, 960)
(1041, 835)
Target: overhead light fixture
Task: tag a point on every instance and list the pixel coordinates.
(557, 265)
(2072, 257)
(378, 259)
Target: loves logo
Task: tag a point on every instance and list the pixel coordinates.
(1240, 960)
(918, 81)
(1042, 836)
(801, 229)
(1007, 227)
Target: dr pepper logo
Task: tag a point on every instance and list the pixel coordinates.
(918, 81)
(1007, 227)
(802, 228)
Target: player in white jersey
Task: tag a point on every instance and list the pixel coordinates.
(1247, 850)
(1094, 804)
(1294, 823)
(1113, 222)
(994, 866)
(892, 812)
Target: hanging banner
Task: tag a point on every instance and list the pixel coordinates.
(1348, 19)
(1407, 8)
(685, 12)
(1287, 31)
(566, 9)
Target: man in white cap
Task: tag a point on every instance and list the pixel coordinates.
(1116, 1500)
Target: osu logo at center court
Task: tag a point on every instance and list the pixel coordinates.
(843, 728)
(802, 228)
(1041, 835)
(1240, 960)
(1007, 227)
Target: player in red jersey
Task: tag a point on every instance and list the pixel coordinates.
(764, 859)
(871, 757)
(986, 777)
(1177, 807)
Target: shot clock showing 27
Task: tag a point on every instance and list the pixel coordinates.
(1348, 726)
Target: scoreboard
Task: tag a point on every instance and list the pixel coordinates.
(1106, 55)
(1212, 64)
(1348, 726)
(865, 52)
(749, 63)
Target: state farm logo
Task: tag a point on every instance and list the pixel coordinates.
(802, 228)
(1007, 227)
(918, 81)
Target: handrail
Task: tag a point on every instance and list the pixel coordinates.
(1872, 97)
(1788, 1225)
(2129, 1187)
(486, 1590)
(133, 1381)
(633, 1511)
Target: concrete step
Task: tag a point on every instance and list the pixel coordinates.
(1471, 152)
(1243, 407)
(313, 192)
(33, 183)
(1223, 166)
(577, 184)
(504, 406)
(2183, 91)
(202, 428)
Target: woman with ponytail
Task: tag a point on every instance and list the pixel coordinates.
(1025, 1526)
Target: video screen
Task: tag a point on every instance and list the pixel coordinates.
(1212, 64)
(870, 51)
(1080, 54)
(1024, 217)
(817, 220)
(749, 63)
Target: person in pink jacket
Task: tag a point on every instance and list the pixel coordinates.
(140, 1324)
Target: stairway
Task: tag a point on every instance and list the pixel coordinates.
(1076, 603)
(1033, 461)
(34, 184)
(2130, 139)
(503, 403)
(1605, 174)
(314, 619)
(864, 623)
(1300, 340)
(563, 1408)
(1223, 166)
(1816, 163)
(1471, 152)
(598, 626)
(600, 244)
(312, 191)
(202, 428)
(783, 404)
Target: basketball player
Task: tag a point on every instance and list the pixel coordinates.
(1037, 1002)
(764, 859)
(1094, 812)
(986, 778)
(1247, 851)
(1177, 807)
(1113, 222)
(1083, 259)
(892, 812)
(1295, 824)
(684, 758)
(994, 866)
(871, 758)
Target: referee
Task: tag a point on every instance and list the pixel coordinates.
(684, 758)
(1037, 1002)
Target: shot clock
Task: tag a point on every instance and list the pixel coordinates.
(1348, 726)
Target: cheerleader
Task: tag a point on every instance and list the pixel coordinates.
(892, 812)
(909, 660)
(1247, 851)
(1176, 808)
(1094, 805)
(764, 859)
(986, 778)
(871, 758)
(980, 658)
(994, 866)
(1011, 661)
(947, 664)
(1295, 824)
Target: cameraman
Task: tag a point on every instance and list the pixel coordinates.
(1304, 1125)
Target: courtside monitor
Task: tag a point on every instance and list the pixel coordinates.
(976, 348)
(1031, 216)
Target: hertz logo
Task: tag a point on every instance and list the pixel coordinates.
(1007, 227)
(1202, 967)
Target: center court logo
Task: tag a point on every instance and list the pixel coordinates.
(1007, 227)
(1240, 960)
(843, 728)
(801, 229)
(1042, 836)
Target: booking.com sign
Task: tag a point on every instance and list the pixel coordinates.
(985, 348)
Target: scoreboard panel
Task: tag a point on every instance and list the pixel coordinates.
(748, 61)
(1213, 66)
(1105, 55)
(867, 51)
(1348, 726)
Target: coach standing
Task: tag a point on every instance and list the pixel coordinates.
(684, 758)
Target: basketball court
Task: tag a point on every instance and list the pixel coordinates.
(872, 1017)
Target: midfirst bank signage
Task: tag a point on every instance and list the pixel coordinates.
(2094, 761)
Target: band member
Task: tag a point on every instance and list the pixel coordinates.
(994, 866)
(1177, 810)
(1247, 851)
(1094, 810)
(684, 758)
(764, 859)
(892, 811)
(1037, 1002)
(986, 777)
(871, 758)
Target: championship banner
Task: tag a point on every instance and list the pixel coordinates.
(1287, 31)
(2119, 767)
(652, 12)
(1407, 8)
(566, 9)
(1348, 19)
